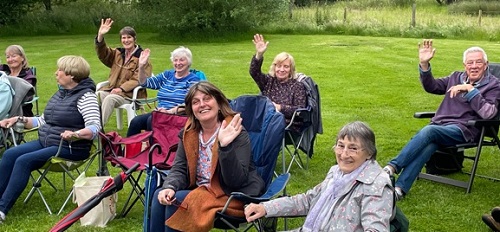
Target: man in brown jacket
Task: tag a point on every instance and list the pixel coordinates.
(124, 63)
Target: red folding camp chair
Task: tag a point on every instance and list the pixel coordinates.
(124, 152)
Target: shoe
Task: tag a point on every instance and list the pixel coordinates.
(399, 194)
(389, 169)
(494, 225)
(2, 217)
(495, 214)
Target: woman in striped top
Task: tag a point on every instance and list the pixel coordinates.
(72, 114)
(172, 86)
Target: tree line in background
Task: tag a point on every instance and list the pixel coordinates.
(179, 19)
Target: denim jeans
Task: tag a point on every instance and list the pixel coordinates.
(419, 150)
(160, 213)
(138, 123)
(18, 162)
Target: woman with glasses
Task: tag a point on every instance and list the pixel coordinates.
(356, 194)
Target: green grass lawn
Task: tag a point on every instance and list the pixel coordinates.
(372, 79)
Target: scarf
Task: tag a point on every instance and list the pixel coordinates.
(321, 212)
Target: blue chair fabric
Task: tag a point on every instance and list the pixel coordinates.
(265, 127)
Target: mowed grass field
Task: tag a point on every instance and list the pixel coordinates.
(372, 79)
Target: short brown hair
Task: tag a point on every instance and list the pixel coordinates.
(128, 31)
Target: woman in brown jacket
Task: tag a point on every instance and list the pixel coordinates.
(124, 64)
(214, 158)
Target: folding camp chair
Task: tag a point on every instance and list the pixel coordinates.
(137, 103)
(165, 132)
(488, 137)
(265, 127)
(24, 93)
(64, 166)
(34, 99)
(310, 124)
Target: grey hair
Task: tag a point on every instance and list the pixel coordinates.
(128, 31)
(182, 52)
(475, 49)
(361, 132)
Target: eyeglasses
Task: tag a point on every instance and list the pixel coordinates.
(340, 148)
(472, 62)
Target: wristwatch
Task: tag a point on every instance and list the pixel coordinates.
(77, 133)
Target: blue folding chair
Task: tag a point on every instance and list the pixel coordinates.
(266, 128)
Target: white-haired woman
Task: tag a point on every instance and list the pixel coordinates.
(172, 86)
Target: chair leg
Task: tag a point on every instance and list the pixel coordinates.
(119, 118)
(137, 190)
(36, 187)
(130, 113)
(474, 167)
(66, 202)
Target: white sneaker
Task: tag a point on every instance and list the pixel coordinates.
(399, 194)
(2, 217)
(389, 169)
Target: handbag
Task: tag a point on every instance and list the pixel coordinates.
(85, 188)
(399, 223)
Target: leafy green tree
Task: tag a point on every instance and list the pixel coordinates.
(210, 16)
(12, 10)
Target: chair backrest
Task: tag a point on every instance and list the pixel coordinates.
(494, 69)
(199, 73)
(265, 127)
(24, 92)
(35, 96)
(166, 128)
(6, 95)
(314, 105)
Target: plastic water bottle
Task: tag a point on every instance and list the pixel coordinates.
(19, 126)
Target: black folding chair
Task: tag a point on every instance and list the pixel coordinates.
(488, 137)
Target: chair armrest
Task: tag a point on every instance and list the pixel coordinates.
(35, 98)
(141, 137)
(484, 123)
(136, 92)
(273, 190)
(101, 84)
(424, 114)
(300, 115)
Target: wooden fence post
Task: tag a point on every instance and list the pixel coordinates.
(345, 14)
(479, 17)
(413, 14)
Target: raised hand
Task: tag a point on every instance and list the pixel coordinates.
(229, 131)
(425, 53)
(143, 59)
(105, 26)
(260, 45)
